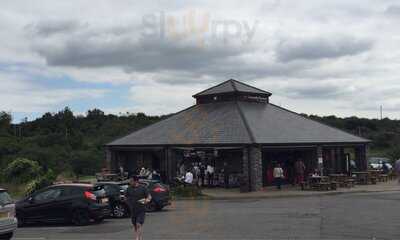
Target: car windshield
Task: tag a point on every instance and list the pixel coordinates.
(5, 198)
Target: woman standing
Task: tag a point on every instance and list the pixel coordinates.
(278, 176)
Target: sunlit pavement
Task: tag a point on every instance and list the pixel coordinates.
(348, 216)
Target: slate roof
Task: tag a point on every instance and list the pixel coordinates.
(236, 122)
(231, 86)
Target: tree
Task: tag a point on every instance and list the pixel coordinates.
(22, 170)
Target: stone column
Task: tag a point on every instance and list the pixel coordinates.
(245, 181)
(255, 168)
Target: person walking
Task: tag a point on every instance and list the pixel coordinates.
(300, 168)
(137, 196)
(278, 176)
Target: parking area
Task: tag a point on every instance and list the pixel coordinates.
(346, 216)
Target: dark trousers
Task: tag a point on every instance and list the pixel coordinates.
(226, 180)
(210, 179)
(278, 183)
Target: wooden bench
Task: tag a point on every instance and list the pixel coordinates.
(322, 186)
(383, 178)
(349, 183)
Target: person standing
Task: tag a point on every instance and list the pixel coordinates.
(202, 173)
(210, 175)
(137, 196)
(226, 175)
(300, 168)
(278, 176)
(188, 178)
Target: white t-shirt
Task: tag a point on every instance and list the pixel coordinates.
(189, 178)
(210, 169)
(278, 172)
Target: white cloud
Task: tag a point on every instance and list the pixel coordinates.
(344, 50)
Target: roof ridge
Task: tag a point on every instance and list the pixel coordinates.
(247, 85)
(246, 124)
(212, 87)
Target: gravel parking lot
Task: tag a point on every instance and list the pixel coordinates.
(347, 216)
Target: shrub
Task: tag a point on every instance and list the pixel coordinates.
(21, 170)
(41, 182)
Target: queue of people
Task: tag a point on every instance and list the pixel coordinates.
(200, 174)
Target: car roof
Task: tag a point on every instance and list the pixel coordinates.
(73, 185)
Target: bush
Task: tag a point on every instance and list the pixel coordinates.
(41, 182)
(21, 170)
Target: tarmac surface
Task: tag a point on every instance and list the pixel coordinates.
(345, 216)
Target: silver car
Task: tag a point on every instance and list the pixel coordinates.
(8, 222)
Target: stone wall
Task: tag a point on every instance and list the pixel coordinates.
(256, 168)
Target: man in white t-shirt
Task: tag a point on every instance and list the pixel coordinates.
(210, 175)
(189, 177)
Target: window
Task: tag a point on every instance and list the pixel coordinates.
(4, 198)
(48, 195)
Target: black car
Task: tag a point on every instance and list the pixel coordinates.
(76, 203)
(158, 191)
(117, 204)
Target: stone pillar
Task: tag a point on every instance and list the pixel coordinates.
(256, 168)
(245, 183)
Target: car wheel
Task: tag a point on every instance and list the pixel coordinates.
(80, 217)
(151, 207)
(119, 210)
(7, 236)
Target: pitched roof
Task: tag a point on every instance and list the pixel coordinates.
(217, 123)
(270, 124)
(236, 123)
(231, 86)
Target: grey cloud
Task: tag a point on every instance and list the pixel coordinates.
(321, 48)
(49, 27)
(393, 10)
(318, 91)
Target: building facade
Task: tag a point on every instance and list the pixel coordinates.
(234, 125)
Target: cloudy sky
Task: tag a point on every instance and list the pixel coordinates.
(318, 57)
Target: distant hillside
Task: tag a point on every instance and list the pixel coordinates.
(64, 142)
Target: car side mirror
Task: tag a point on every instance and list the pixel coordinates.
(31, 200)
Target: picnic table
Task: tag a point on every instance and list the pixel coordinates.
(342, 180)
(365, 178)
(321, 183)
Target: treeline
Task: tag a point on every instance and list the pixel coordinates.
(63, 142)
(70, 144)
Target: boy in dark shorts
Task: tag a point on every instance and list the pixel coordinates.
(137, 196)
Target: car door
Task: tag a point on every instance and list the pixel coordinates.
(41, 206)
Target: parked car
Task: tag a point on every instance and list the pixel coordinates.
(8, 221)
(159, 194)
(377, 162)
(76, 203)
(117, 204)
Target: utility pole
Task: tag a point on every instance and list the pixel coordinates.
(381, 110)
